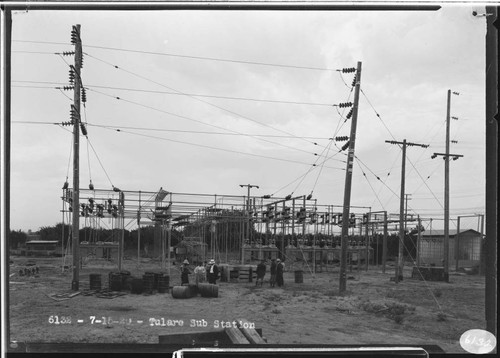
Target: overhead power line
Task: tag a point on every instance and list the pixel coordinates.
(378, 115)
(110, 126)
(99, 160)
(201, 122)
(291, 136)
(200, 132)
(210, 147)
(121, 130)
(195, 98)
(183, 94)
(205, 58)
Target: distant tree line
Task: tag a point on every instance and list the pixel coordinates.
(17, 239)
(227, 233)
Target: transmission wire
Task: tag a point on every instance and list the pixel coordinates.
(209, 147)
(200, 100)
(99, 160)
(198, 121)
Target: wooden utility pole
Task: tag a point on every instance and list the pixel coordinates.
(121, 220)
(368, 243)
(446, 156)
(169, 236)
(419, 236)
(446, 248)
(76, 40)
(347, 187)
(315, 229)
(399, 267)
(139, 232)
(384, 243)
(283, 229)
(249, 186)
(304, 222)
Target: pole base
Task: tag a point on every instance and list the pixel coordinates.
(74, 285)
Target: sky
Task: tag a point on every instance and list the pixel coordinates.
(264, 84)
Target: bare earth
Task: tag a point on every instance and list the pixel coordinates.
(373, 311)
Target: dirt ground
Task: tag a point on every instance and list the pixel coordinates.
(374, 310)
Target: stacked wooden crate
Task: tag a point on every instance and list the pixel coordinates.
(246, 273)
(242, 273)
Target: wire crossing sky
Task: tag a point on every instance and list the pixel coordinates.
(200, 102)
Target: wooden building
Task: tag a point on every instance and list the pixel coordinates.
(42, 248)
(431, 248)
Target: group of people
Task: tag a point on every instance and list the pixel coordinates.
(202, 272)
(277, 269)
(210, 272)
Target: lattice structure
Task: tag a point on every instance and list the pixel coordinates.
(224, 224)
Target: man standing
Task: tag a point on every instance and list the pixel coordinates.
(279, 273)
(261, 272)
(272, 281)
(185, 272)
(200, 273)
(213, 272)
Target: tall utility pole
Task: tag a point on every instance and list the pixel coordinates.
(419, 236)
(384, 243)
(169, 236)
(139, 232)
(347, 187)
(446, 156)
(121, 220)
(367, 242)
(249, 186)
(76, 40)
(399, 267)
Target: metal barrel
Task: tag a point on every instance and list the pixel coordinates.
(163, 283)
(208, 290)
(299, 276)
(148, 280)
(181, 292)
(194, 289)
(115, 281)
(124, 274)
(137, 286)
(155, 278)
(95, 281)
(127, 283)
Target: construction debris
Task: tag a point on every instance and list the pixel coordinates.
(63, 296)
(103, 293)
